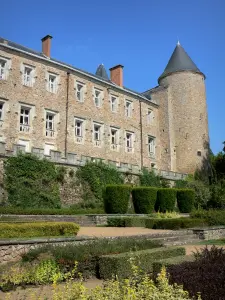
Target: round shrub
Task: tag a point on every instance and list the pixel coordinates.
(185, 200)
(116, 199)
(166, 200)
(144, 199)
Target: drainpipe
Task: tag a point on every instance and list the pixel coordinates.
(67, 107)
(141, 133)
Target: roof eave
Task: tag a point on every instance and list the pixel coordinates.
(179, 71)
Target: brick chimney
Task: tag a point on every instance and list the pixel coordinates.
(116, 75)
(46, 45)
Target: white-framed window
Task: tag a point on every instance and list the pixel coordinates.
(4, 68)
(114, 138)
(79, 130)
(151, 145)
(114, 103)
(26, 144)
(25, 119)
(50, 124)
(97, 97)
(52, 82)
(27, 75)
(129, 139)
(80, 89)
(149, 116)
(97, 134)
(48, 148)
(128, 108)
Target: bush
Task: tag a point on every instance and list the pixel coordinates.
(118, 265)
(166, 200)
(202, 193)
(174, 224)
(126, 221)
(27, 230)
(45, 211)
(185, 200)
(212, 217)
(144, 199)
(31, 182)
(87, 255)
(217, 200)
(116, 199)
(205, 275)
(149, 178)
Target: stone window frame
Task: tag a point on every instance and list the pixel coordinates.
(51, 133)
(100, 97)
(151, 143)
(128, 109)
(150, 116)
(129, 148)
(116, 98)
(82, 91)
(115, 146)
(4, 70)
(31, 76)
(52, 87)
(79, 139)
(97, 142)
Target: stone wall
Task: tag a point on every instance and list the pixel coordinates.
(210, 233)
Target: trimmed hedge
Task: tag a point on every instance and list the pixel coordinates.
(185, 200)
(166, 262)
(116, 199)
(27, 230)
(166, 200)
(213, 217)
(10, 210)
(119, 264)
(126, 221)
(178, 223)
(144, 199)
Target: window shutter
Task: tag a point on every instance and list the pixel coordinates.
(57, 83)
(32, 77)
(47, 82)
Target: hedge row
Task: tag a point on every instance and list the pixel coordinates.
(27, 230)
(213, 217)
(120, 264)
(147, 199)
(173, 224)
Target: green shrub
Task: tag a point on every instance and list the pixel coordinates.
(149, 178)
(27, 230)
(185, 200)
(111, 265)
(144, 199)
(31, 182)
(46, 211)
(174, 224)
(126, 221)
(166, 200)
(116, 199)
(212, 217)
(116, 222)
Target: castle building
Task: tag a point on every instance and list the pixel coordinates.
(48, 106)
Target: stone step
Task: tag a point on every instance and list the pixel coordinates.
(177, 239)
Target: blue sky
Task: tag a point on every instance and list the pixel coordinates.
(140, 34)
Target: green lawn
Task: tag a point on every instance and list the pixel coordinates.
(220, 242)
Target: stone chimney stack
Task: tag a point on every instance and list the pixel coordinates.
(46, 45)
(116, 75)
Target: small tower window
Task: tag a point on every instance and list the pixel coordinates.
(199, 153)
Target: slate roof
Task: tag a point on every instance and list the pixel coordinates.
(100, 73)
(179, 61)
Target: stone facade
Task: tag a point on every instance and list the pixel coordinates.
(178, 122)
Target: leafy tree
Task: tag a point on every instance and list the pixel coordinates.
(149, 178)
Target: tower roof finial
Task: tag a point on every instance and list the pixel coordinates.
(178, 42)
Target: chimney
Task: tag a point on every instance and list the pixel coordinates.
(116, 75)
(46, 45)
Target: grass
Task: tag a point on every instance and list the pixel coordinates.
(220, 242)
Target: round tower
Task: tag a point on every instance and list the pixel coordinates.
(187, 112)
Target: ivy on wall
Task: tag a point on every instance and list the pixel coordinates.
(31, 182)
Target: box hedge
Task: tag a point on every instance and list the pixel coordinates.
(27, 230)
(174, 224)
(166, 200)
(116, 199)
(120, 264)
(126, 221)
(144, 199)
(185, 200)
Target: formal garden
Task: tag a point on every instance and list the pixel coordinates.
(144, 266)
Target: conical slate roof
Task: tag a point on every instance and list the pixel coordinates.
(179, 61)
(101, 72)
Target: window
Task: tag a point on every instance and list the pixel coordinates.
(97, 97)
(151, 146)
(129, 142)
(25, 119)
(128, 108)
(199, 153)
(149, 116)
(79, 124)
(50, 124)
(52, 83)
(113, 103)
(48, 148)
(4, 68)
(26, 144)
(1, 111)
(28, 76)
(114, 139)
(97, 134)
(80, 92)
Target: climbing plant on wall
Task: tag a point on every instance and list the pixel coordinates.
(31, 182)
